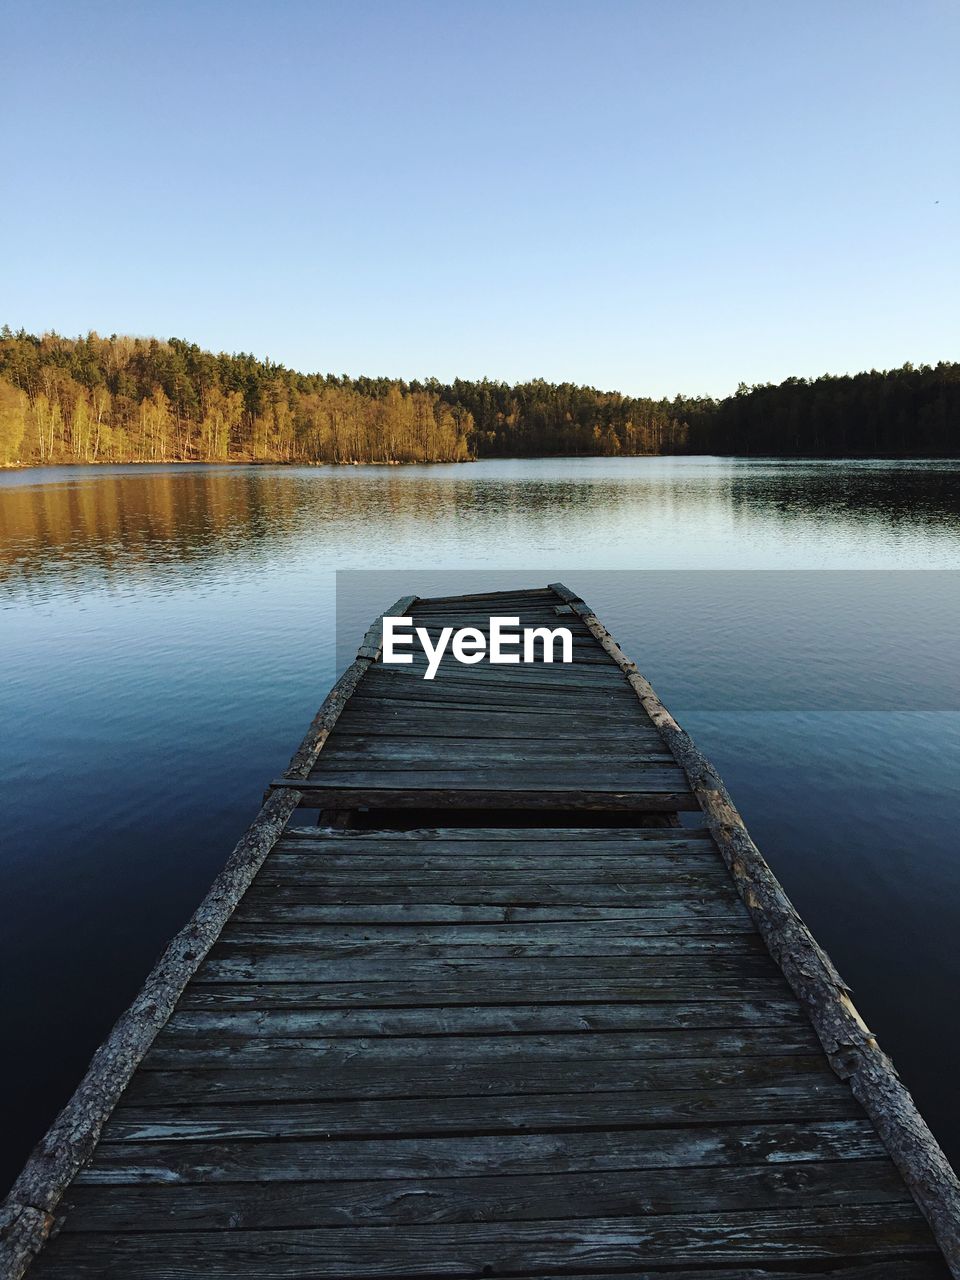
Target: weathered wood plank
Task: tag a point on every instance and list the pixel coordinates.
(489, 988)
(271, 965)
(488, 1019)
(530, 695)
(616, 893)
(491, 1113)
(298, 904)
(602, 747)
(561, 838)
(261, 1256)
(528, 682)
(680, 869)
(314, 1080)
(672, 846)
(664, 917)
(416, 753)
(544, 595)
(431, 713)
(514, 842)
(297, 1160)
(588, 659)
(504, 725)
(647, 899)
(611, 704)
(293, 941)
(323, 794)
(469, 778)
(544, 613)
(439, 940)
(628, 1193)
(647, 880)
(172, 1052)
(782, 1235)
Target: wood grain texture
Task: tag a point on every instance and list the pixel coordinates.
(467, 1155)
(627, 1193)
(315, 1080)
(782, 1235)
(490, 1113)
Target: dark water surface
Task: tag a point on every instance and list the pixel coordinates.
(166, 633)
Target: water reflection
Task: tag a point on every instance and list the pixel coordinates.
(87, 526)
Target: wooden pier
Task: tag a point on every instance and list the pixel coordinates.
(505, 1012)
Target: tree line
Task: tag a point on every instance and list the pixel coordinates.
(905, 412)
(124, 399)
(121, 399)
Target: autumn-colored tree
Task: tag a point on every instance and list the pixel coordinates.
(14, 406)
(123, 399)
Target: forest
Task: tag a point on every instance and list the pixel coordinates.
(910, 412)
(122, 399)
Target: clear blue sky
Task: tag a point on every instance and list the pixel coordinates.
(660, 196)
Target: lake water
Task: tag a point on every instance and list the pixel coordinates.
(166, 633)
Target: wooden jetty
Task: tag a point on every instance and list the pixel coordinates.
(502, 1013)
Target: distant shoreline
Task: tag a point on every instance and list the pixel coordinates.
(114, 399)
(548, 457)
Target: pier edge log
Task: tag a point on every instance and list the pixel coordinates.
(850, 1046)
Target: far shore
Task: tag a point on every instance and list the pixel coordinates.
(437, 462)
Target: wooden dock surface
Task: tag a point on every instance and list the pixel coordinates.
(547, 736)
(513, 1048)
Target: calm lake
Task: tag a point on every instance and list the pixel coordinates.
(166, 634)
